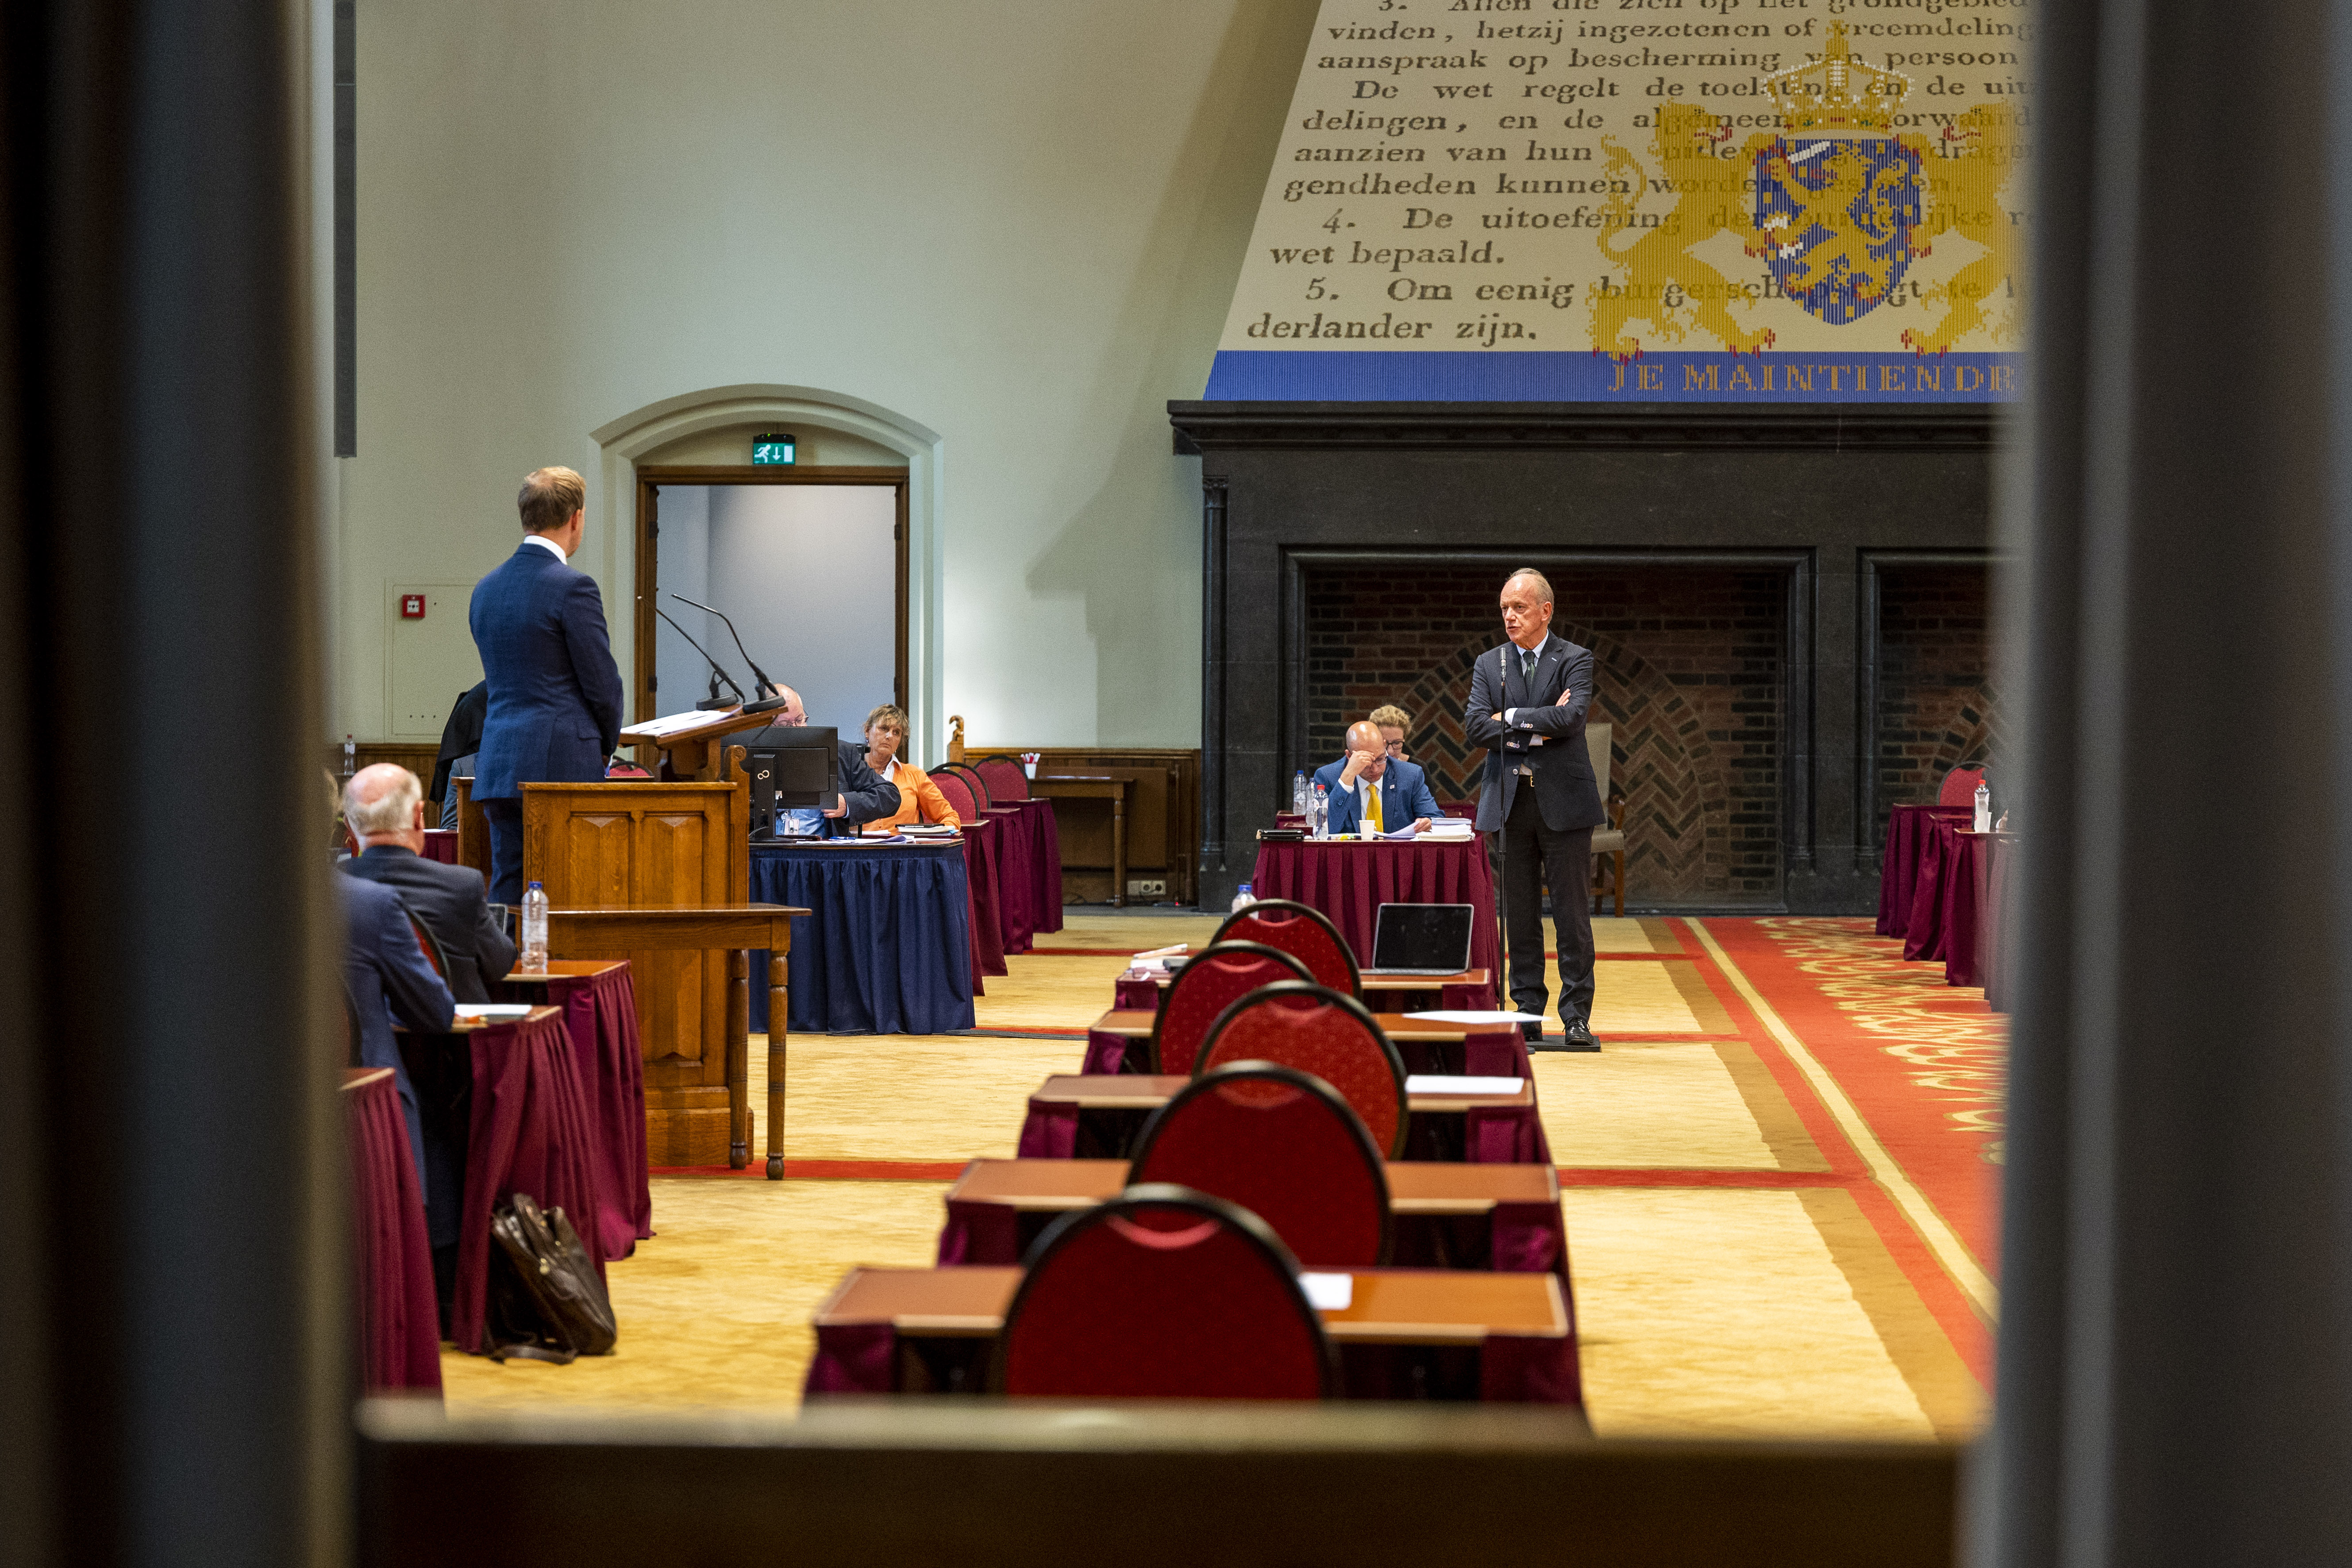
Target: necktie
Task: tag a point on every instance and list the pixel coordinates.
(1371, 807)
(1527, 663)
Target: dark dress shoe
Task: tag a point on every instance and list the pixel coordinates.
(1575, 1037)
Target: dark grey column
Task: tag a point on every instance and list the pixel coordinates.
(2176, 1342)
(172, 1369)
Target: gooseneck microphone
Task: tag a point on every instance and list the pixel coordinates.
(714, 701)
(770, 697)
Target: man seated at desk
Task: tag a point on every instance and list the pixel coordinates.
(386, 977)
(384, 806)
(919, 799)
(1372, 792)
(863, 797)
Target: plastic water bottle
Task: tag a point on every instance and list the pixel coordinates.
(1318, 813)
(1243, 899)
(1298, 791)
(1984, 809)
(534, 931)
(351, 757)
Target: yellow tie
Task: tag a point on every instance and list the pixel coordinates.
(1372, 806)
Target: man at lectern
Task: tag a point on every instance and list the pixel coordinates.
(555, 693)
(1527, 701)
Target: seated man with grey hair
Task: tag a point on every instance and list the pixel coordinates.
(385, 806)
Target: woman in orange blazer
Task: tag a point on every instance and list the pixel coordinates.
(919, 799)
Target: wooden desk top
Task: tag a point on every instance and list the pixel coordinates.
(1371, 982)
(1392, 1306)
(356, 1078)
(706, 926)
(467, 1025)
(1081, 783)
(1415, 1186)
(561, 968)
(1149, 1091)
(1135, 1023)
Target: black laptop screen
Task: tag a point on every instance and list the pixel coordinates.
(1422, 936)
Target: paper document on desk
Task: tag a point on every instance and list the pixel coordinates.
(670, 723)
(1328, 1292)
(1472, 1017)
(491, 1012)
(1432, 1083)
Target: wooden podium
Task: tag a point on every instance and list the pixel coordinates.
(676, 843)
(696, 751)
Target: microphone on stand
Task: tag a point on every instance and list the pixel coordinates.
(770, 697)
(714, 702)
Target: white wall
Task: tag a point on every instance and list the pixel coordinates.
(1017, 225)
(809, 575)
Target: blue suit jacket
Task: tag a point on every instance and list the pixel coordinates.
(555, 693)
(1404, 795)
(386, 974)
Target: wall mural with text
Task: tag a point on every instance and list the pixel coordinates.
(1644, 201)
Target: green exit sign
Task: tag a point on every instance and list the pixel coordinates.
(773, 449)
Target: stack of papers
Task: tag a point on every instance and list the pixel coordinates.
(1467, 1016)
(1328, 1292)
(670, 723)
(930, 830)
(492, 1011)
(1431, 1083)
(1451, 827)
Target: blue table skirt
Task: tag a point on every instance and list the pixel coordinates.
(887, 949)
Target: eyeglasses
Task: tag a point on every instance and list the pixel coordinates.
(1396, 749)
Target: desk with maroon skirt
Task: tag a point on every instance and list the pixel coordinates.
(392, 1259)
(1349, 879)
(599, 1001)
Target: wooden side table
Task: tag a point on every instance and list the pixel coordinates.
(737, 929)
(1096, 786)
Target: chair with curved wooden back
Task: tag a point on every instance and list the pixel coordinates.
(1284, 1145)
(1301, 931)
(1317, 1030)
(977, 785)
(1960, 785)
(1608, 839)
(1205, 988)
(1162, 1293)
(1004, 777)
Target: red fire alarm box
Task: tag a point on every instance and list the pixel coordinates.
(412, 607)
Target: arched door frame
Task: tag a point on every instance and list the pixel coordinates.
(627, 443)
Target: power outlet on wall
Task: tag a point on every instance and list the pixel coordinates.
(1141, 890)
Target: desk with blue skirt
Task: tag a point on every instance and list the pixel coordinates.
(886, 947)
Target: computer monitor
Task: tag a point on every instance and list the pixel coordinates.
(790, 768)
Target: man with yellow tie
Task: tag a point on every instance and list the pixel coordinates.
(1371, 792)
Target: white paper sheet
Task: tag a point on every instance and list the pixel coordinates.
(1477, 1018)
(1432, 1083)
(670, 723)
(488, 1010)
(1328, 1292)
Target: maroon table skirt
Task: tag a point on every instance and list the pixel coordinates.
(980, 858)
(399, 1325)
(1349, 882)
(1016, 876)
(532, 1132)
(1967, 864)
(863, 1358)
(1992, 955)
(600, 1015)
(1522, 1238)
(441, 844)
(1045, 863)
(1910, 836)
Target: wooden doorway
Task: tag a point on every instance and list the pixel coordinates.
(645, 700)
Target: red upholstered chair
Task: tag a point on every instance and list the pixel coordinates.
(1301, 931)
(958, 795)
(1004, 779)
(1960, 785)
(1284, 1146)
(971, 782)
(1317, 1030)
(1205, 987)
(1162, 1293)
(430, 946)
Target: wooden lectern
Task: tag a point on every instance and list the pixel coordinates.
(695, 751)
(664, 845)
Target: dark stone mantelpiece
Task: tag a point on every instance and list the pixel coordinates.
(1818, 490)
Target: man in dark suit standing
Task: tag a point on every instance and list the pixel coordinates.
(1528, 701)
(386, 975)
(555, 693)
(385, 808)
(866, 795)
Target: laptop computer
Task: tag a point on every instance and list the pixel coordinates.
(1421, 939)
